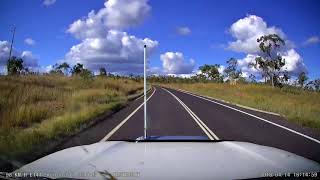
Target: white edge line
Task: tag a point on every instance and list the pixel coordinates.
(143, 94)
(202, 125)
(280, 126)
(125, 120)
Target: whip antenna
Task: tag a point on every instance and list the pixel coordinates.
(145, 91)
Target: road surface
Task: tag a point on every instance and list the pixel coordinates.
(178, 113)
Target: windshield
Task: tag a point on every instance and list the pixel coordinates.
(76, 73)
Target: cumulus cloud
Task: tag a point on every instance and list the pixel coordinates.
(174, 63)
(48, 2)
(117, 14)
(117, 51)
(294, 62)
(4, 52)
(183, 31)
(29, 41)
(103, 41)
(312, 40)
(247, 30)
(29, 60)
(243, 65)
(221, 69)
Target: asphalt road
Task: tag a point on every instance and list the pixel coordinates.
(176, 113)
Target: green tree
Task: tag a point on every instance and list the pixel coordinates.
(242, 80)
(102, 71)
(211, 72)
(77, 69)
(270, 62)
(313, 85)
(316, 84)
(14, 65)
(283, 79)
(86, 74)
(252, 77)
(302, 79)
(64, 67)
(56, 70)
(232, 71)
(199, 77)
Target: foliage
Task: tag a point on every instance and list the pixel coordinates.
(60, 69)
(302, 78)
(102, 71)
(232, 71)
(14, 65)
(270, 62)
(65, 67)
(86, 74)
(313, 85)
(242, 80)
(211, 72)
(77, 69)
(252, 78)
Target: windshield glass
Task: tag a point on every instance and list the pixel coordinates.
(76, 73)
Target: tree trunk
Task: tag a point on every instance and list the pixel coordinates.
(272, 80)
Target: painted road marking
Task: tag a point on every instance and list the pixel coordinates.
(142, 95)
(125, 120)
(202, 125)
(267, 121)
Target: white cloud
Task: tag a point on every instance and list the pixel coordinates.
(30, 41)
(294, 62)
(243, 65)
(174, 63)
(124, 13)
(312, 40)
(183, 31)
(29, 60)
(48, 2)
(181, 75)
(221, 69)
(247, 30)
(118, 52)
(4, 52)
(105, 44)
(117, 14)
(48, 68)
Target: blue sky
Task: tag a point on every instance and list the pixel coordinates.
(207, 41)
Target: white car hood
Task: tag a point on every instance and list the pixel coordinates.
(169, 160)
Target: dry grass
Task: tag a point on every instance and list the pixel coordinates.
(34, 109)
(299, 106)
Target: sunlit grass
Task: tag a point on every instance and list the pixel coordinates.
(299, 106)
(35, 109)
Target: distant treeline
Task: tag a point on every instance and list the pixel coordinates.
(269, 64)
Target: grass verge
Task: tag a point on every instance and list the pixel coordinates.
(36, 109)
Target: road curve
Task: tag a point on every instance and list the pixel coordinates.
(172, 112)
(233, 125)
